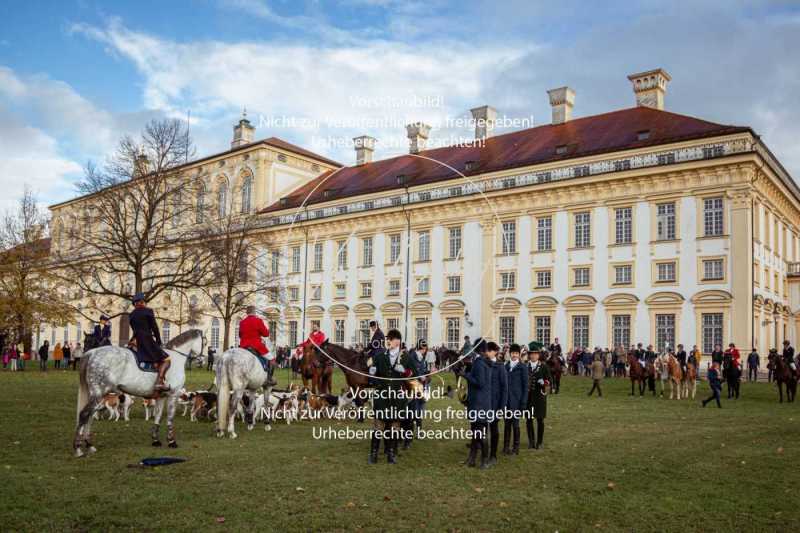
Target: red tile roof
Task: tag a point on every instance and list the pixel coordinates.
(609, 132)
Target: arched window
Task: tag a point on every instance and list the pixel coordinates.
(215, 333)
(201, 203)
(165, 332)
(222, 199)
(247, 193)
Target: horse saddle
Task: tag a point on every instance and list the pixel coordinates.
(261, 359)
(144, 366)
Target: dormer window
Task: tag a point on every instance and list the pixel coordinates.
(470, 166)
(282, 158)
(284, 201)
(561, 149)
(643, 135)
(327, 194)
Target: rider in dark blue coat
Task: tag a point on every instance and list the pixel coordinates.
(102, 332)
(479, 406)
(517, 398)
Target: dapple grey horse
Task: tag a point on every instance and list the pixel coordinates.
(238, 373)
(110, 369)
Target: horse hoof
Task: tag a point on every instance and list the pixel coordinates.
(78, 452)
(250, 427)
(156, 444)
(267, 428)
(233, 436)
(220, 434)
(173, 444)
(91, 450)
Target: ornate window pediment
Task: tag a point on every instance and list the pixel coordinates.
(621, 299)
(364, 308)
(315, 310)
(422, 305)
(542, 302)
(392, 307)
(338, 309)
(506, 304)
(452, 305)
(664, 298)
(712, 297)
(580, 300)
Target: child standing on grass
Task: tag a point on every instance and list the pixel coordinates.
(715, 383)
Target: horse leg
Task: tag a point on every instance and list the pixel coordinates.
(84, 427)
(780, 391)
(171, 408)
(235, 399)
(155, 430)
(632, 387)
(250, 409)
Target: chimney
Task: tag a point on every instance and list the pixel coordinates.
(484, 117)
(650, 87)
(365, 146)
(243, 132)
(141, 164)
(561, 100)
(417, 137)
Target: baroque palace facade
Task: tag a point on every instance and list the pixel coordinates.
(637, 225)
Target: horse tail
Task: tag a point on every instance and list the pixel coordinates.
(223, 396)
(83, 387)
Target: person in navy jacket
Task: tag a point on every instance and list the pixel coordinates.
(715, 383)
(499, 400)
(517, 398)
(479, 406)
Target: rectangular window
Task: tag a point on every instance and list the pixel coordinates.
(508, 281)
(316, 292)
(544, 234)
(509, 238)
(624, 225)
(665, 271)
(713, 269)
(272, 293)
(423, 286)
(455, 243)
(712, 331)
(713, 217)
(341, 290)
(293, 333)
(424, 244)
(341, 255)
(363, 332)
(394, 248)
(453, 283)
(581, 278)
(665, 331)
(665, 221)
(453, 328)
(543, 330)
(338, 331)
(421, 329)
(507, 327)
(294, 293)
(276, 262)
(580, 331)
(367, 251)
(621, 330)
(366, 289)
(318, 255)
(393, 323)
(623, 275)
(544, 279)
(394, 287)
(583, 232)
(295, 259)
(273, 330)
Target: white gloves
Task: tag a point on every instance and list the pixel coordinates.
(540, 382)
(372, 370)
(399, 368)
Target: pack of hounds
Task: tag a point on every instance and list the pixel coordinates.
(289, 405)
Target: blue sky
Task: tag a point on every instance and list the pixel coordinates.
(75, 75)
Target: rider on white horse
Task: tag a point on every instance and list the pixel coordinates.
(251, 331)
(148, 340)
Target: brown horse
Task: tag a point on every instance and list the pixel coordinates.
(675, 377)
(637, 374)
(316, 368)
(554, 362)
(689, 382)
(784, 375)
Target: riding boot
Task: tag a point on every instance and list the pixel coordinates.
(531, 437)
(270, 380)
(506, 438)
(373, 450)
(515, 447)
(161, 385)
(485, 463)
(539, 433)
(473, 452)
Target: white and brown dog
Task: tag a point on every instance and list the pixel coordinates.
(117, 405)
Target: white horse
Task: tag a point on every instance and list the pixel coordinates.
(238, 373)
(111, 369)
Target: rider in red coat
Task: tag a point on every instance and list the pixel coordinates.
(251, 330)
(315, 338)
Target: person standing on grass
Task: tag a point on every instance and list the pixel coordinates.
(715, 382)
(499, 387)
(479, 402)
(598, 372)
(67, 355)
(13, 356)
(44, 351)
(210, 358)
(538, 381)
(753, 362)
(77, 353)
(517, 398)
(58, 355)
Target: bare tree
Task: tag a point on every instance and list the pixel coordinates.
(132, 230)
(30, 294)
(241, 270)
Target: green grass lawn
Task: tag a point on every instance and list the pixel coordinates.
(616, 463)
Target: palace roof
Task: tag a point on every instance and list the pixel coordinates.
(625, 129)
